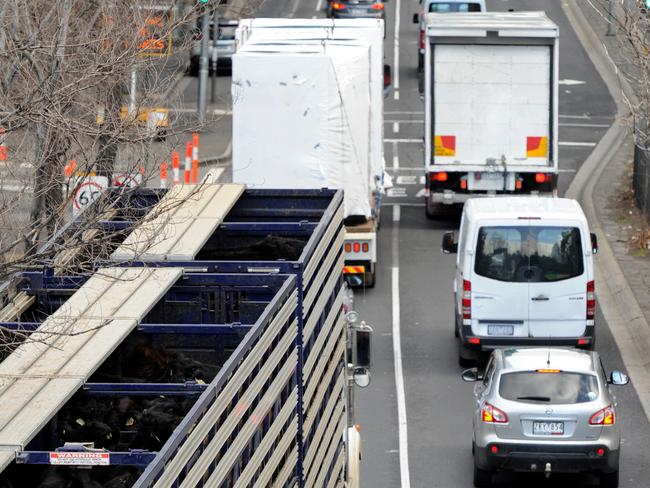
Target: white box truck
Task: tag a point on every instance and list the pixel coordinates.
(490, 105)
(342, 41)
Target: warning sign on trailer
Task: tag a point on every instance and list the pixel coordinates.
(80, 458)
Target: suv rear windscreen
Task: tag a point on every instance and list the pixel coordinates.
(532, 254)
(557, 388)
(455, 7)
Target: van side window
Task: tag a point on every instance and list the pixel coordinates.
(532, 254)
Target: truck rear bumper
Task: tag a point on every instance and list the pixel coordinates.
(450, 197)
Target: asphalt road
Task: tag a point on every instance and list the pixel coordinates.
(429, 445)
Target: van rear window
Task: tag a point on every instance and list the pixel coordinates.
(443, 7)
(529, 254)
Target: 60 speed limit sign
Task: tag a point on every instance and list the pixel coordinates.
(88, 190)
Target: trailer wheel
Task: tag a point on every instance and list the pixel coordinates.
(369, 279)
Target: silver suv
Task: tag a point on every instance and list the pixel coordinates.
(545, 410)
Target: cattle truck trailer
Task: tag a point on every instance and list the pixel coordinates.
(217, 355)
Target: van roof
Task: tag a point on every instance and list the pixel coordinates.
(479, 24)
(522, 207)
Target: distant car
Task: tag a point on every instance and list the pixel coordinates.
(442, 7)
(352, 9)
(225, 46)
(545, 410)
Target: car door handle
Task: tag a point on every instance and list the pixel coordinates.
(540, 298)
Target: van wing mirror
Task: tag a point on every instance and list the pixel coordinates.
(594, 243)
(388, 80)
(416, 19)
(448, 244)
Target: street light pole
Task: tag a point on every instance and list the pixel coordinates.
(215, 54)
(203, 66)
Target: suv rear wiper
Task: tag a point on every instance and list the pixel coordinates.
(536, 398)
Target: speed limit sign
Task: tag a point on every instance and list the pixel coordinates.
(88, 190)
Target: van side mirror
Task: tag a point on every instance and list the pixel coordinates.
(618, 378)
(594, 243)
(471, 375)
(448, 244)
(362, 346)
(361, 377)
(416, 18)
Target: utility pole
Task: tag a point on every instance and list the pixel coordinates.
(203, 65)
(215, 54)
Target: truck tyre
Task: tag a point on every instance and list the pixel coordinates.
(482, 477)
(420, 62)
(430, 209)
(369, 279)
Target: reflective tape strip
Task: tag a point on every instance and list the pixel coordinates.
(354, 269)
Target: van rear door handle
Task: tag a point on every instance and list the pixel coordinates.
(540, 298)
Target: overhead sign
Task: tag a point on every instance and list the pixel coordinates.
(88, 189)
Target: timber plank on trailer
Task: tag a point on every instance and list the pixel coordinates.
(44, 372)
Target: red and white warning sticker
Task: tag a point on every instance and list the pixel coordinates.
(80, 458)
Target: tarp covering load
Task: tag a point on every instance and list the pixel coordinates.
(301, 119)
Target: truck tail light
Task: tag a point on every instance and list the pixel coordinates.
(365, 247)
(377, 6)
(543, 177)
(591, 300)
(338, 6)
(492, 415)
(441, 176)
(348, 247)
(606, 416)
(356, 246)
(421, 39)
(467, 300)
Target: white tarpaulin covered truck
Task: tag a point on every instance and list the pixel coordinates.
(345, 59)
(491, 106)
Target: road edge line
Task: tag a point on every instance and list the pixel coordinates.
(629, 327)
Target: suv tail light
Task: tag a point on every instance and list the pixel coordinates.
(591, 300)
(606, 416)
(377, 6)
(421, 39)
(467, 300)
(492, 415)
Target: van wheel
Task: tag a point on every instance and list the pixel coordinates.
(482, 477)
(609, 480)
(465, 357)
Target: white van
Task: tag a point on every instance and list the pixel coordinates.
(524, 274)
(442, 7)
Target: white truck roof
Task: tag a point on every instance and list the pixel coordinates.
(506, 208)
(478, 24)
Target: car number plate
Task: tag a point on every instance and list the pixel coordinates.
(497, 329)
(548, 428)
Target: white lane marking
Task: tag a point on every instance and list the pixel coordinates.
(422, 180)
(564, 116)
(295, 8)
(402, 204)
(395, 127)
(567, 170)
(399, 379)
(388, 121)
(420, 169)
(571, 82)
(571, 124)
(404, 113)
(406, 180)
(395, 156)
(398, 5)
(396, 213)
(409, 141)
(319, 6)
(420, 194)
(577, 144)
(397, 192)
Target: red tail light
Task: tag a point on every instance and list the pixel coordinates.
(421, 39)
(365, 247)
(348, 247)
(606, 416)
(338, 6)
(543, 177)
(356, 246)
(377, 6)
(441, 176)
(591, 300)
(467, 300)
(492, 415)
